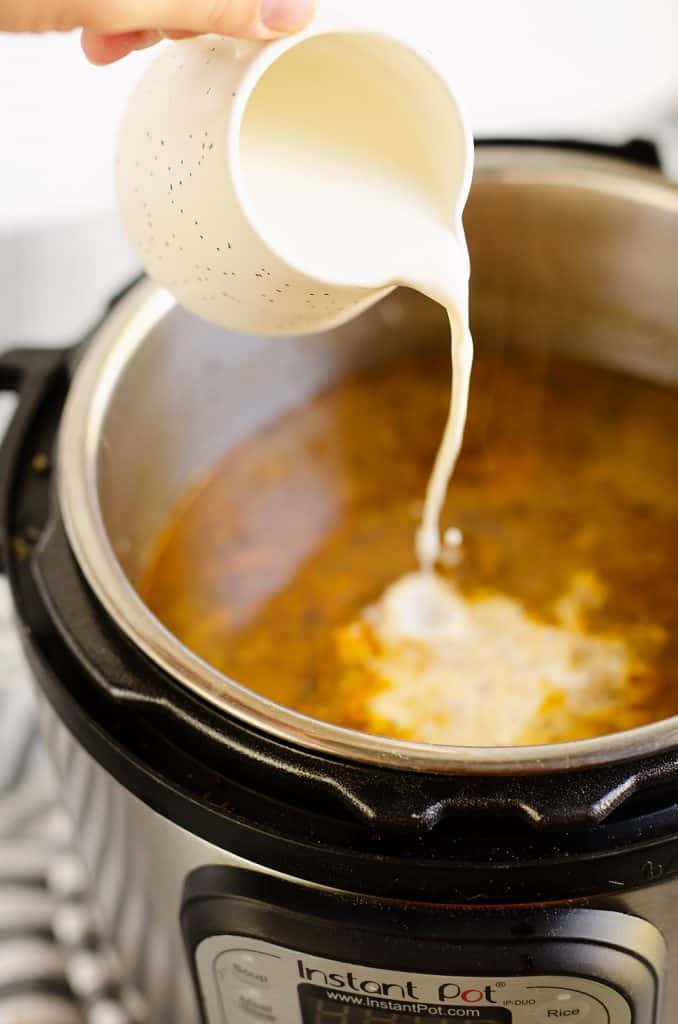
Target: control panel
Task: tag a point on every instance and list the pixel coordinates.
(268, 952)
(247, 982)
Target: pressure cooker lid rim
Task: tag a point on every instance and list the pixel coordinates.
(109, 353)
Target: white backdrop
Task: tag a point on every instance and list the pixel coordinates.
(605, 68)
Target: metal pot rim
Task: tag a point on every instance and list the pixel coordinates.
(115, 343)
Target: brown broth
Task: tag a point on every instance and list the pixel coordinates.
(565, 469)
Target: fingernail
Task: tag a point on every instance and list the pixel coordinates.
(286, 15)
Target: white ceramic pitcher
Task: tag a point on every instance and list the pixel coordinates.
(200, 176)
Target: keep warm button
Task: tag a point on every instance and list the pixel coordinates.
(565, 1009)
(256, 1004)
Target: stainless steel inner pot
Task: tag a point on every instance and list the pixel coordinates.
(568, 251)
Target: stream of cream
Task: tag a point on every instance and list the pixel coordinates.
(428, 542)
(452, 292)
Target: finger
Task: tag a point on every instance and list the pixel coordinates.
(102, 48)
(106, 49)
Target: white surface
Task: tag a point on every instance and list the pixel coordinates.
(62, 248)
(58, 120)
(56, 280)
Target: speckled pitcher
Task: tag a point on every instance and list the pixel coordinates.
(184, 197)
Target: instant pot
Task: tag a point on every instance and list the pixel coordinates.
(253, 865)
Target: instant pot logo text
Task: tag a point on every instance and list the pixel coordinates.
(447, 991)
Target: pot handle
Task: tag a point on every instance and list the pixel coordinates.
(27, 372)
(640, 151)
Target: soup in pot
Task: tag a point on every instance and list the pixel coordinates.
(556, 620)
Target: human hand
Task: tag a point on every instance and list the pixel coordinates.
(113, 28)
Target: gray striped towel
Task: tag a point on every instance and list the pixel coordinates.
(55, 967)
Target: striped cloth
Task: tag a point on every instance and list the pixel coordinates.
(55, 967)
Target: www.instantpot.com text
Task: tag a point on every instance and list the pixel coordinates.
(416, 1009)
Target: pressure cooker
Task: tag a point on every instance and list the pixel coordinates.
(251, 864)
